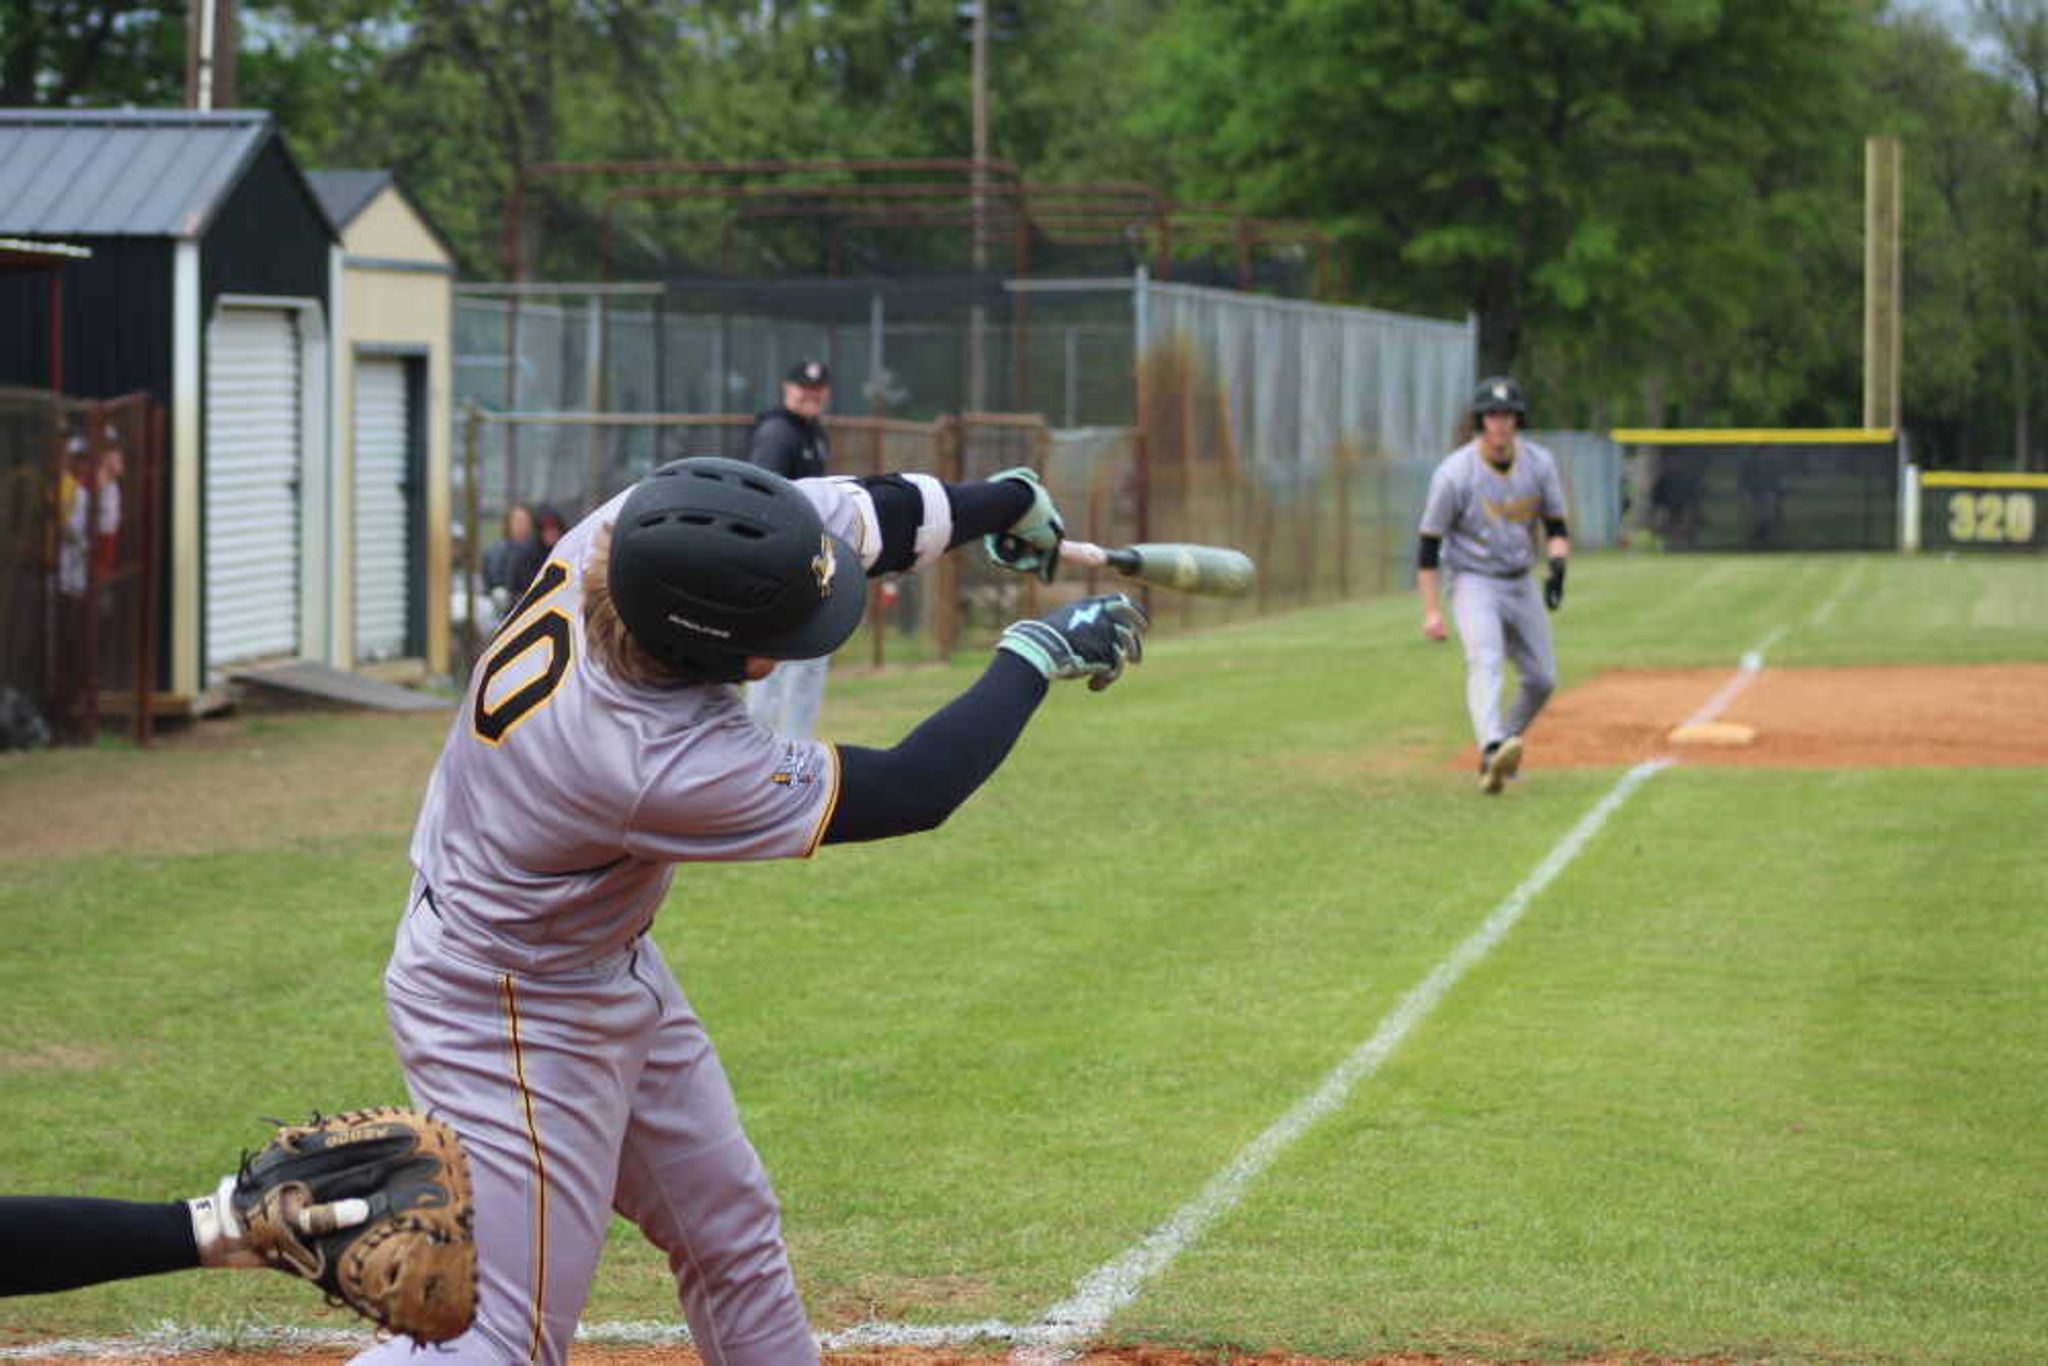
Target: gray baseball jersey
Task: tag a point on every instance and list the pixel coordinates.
(1490, 519)
(529, 1009)
(564, 797)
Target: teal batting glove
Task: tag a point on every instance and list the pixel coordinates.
(1092, 639)
(1032, 543)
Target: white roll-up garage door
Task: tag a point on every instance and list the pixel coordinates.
(252, 485)
(382, 568)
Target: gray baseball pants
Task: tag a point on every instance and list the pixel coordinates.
(576, 1094)
(1501, 620)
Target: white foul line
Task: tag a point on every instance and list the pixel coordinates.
(1827, 607)
(1107, 1289)
(169, 1339)
(1752, 665)
(1102, 1292)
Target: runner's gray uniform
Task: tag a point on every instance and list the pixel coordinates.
(1491, 524)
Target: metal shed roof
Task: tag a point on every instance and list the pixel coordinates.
(121, 172)
(344, 194)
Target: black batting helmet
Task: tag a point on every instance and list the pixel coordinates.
(1499, 394)
(715, 560)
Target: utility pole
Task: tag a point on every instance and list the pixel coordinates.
(1881, 291)
(977, 329)
(211, 28)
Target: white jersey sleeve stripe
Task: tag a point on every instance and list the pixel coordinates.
(935, 528)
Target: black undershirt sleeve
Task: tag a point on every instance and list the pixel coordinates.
(50, 1242)
(1428, 552)
(980, 509)
(924, 779)
(1554, 526)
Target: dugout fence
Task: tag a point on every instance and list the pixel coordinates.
(81, 508)
(1323, 542)
(1158, 411)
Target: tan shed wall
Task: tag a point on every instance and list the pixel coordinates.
(389, 227)
(389, 307)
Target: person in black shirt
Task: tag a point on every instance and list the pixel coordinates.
(790, 440)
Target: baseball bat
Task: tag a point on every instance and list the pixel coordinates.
(1207, 569)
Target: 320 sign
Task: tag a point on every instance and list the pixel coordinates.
(1998, 513)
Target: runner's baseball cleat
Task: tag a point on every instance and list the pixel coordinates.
(1500, 763)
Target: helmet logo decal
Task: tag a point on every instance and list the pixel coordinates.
(1500, 391)
(825, 564)
(698, 626)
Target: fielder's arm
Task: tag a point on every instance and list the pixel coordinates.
(1439, 514)
(1559, 549)
(1429, 550)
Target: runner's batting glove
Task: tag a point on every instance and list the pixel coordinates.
(1091, 639)
(1553, 587)
(1032, 544)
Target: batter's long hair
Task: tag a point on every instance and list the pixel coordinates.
(611, 644)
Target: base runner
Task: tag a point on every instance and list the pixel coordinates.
(1480, 523)
(602, 743)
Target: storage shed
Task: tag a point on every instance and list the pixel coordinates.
(211, 285)
(393, 380)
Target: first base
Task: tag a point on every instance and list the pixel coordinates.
(1713, 733)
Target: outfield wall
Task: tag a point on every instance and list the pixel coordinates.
(1983, 510)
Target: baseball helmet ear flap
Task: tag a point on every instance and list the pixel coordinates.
(716, 560)
(1499, 394)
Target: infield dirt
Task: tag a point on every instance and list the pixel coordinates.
(1890, 717)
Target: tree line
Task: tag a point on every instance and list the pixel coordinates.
(1652, 207)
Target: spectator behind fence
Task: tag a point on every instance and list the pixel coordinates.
(89, 499)
(88, 531)
(511, 564)
(790, 439)
(550, 526)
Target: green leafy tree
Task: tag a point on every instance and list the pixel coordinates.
(67, 52)
(2018, 33)
(1529, 160)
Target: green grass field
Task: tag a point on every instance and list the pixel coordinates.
(1762, 1074)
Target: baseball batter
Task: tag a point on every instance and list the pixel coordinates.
(1481, 524)
(602, 744)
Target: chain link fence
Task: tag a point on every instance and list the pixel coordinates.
(80, 531)
(1303, 434)
(915, 348)
(571, 463)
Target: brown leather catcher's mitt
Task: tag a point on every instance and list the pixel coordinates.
(374, 1207)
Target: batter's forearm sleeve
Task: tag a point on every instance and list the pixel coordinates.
(978, 510)
(1428, 551)
(923, 780)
